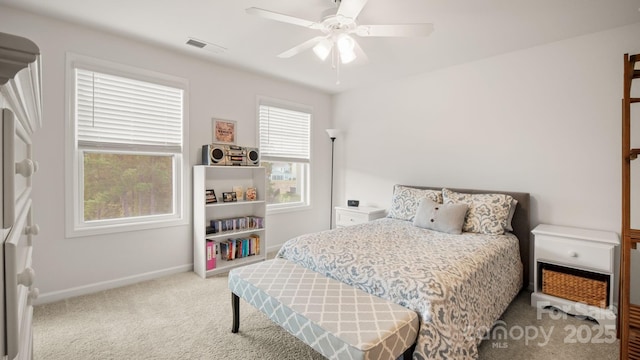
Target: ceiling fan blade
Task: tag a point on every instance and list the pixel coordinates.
(351, 8)
(301, 47)
(408, 30)
(282, 17)
(361, 56)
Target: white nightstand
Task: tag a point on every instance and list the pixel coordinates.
(593, 252)
(352, 215)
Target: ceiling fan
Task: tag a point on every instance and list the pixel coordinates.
(338, 24)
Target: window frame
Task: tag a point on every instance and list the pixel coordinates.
(74, 154)
(305, 202)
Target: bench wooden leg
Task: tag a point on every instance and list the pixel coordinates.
(235, 308)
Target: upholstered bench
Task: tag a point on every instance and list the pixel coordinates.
(337, 320)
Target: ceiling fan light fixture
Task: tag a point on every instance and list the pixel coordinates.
(347, 56)
(346, 48)
(345, 43)
(323, 49)
(337, 26)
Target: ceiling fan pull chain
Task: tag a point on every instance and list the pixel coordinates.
(334, 57)
(335, 63)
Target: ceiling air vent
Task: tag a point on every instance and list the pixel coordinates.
(201, 44)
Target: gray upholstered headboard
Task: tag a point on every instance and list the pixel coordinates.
(520, 222)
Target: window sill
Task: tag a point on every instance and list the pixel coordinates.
(286, 209)
(120, 228)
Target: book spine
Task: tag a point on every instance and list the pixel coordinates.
(245, 247)
(256, 239)
(211, 255)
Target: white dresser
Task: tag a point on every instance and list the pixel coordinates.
(20, 115)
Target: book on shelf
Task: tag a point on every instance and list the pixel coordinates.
(252, 249)
(256, 222)
(237, 248)
(239, 252)
(256, 243)
(245, 247)
(211, 254)
(224, 251)
(235, 224)
(232, 250)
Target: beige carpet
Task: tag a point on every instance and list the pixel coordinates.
(185, 317)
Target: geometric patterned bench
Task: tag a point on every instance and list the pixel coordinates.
(337, 320)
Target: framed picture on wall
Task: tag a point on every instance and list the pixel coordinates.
(224, 131)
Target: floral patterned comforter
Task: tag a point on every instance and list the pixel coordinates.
(458, 284)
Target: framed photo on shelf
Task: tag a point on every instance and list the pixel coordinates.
(210, 196)
(251, 193)
(229, 196)
(224, 131)
(239, 192)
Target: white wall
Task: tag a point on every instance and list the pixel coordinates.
(71, 266)
(545, 120)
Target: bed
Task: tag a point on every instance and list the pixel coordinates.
(458, 283)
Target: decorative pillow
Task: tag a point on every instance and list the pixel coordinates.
(487, 214)
(512, 211)
(406, 199)
(446, 218)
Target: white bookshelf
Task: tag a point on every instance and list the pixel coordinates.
(223, 179)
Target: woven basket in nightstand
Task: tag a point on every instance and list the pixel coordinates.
(575, 288)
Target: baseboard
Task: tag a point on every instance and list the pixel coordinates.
(54, 296)
(274, 248)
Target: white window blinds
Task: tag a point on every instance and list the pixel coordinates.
(284, 134)
(123, 112)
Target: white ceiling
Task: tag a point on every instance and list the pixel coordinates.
(465, 30)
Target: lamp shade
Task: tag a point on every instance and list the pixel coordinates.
(345, 42)
(333, 133)
(347, 56)
(323, 49)
(346, 46)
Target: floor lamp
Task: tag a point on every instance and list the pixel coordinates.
(333, 133)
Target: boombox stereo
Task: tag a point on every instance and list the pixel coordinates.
(229, 155)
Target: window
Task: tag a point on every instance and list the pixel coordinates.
(285, 135)
(126, 148)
